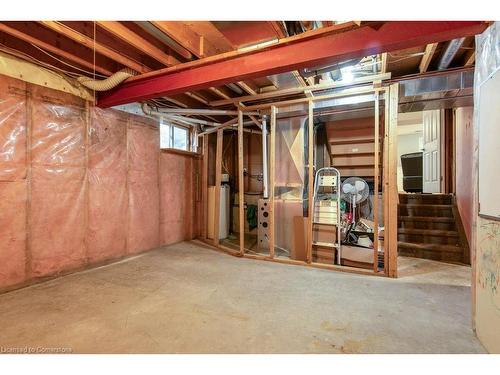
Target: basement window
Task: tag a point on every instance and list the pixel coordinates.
(174, 136)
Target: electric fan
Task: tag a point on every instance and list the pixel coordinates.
(354, 190)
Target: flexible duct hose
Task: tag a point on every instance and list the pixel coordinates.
(108, 83)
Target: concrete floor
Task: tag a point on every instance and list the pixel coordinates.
(188, 299)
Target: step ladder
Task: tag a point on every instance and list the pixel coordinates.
(326, 203)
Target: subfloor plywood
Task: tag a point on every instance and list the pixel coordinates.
(186, 298)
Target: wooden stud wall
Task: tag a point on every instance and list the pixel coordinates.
(375, 184)
(218, 176)
(388, 177)
(204, 187)
(391, 194)
(310, 180)
(241, 184)
(272, 162)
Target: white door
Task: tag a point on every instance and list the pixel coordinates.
(431, 150)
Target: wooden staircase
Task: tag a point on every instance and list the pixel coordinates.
(429, 227)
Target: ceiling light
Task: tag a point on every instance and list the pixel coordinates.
(347, 75)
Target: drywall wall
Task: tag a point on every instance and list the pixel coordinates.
(485, 242)
(464, 149)
(80, 186)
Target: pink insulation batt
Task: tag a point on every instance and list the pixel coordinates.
(144, 197)
(81, 185)
(58, 182)
(107, 183)
(13, 186)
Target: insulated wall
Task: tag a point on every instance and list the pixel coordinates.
(57, 181)
(144, 215)
(178, 185)
(107, 185)
(81, 186)
(13, 186)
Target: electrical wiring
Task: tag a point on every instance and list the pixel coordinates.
(67, 75)
(406, 57)
(65, 63)
(224, 166)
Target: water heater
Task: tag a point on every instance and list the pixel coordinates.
(224, 211)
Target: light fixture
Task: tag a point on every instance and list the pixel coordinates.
(347, 75)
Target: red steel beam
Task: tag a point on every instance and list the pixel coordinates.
(297, 54)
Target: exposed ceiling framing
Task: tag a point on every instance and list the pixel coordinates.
(162, 48)
(310, 49)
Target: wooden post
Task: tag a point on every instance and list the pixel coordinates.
(86, 200)
(375, 185)
(391, 230)
(204, 189)
(218, 176)
(272, 161)
(385, 184)
(29, 176)
(310, 182)
(241, 183)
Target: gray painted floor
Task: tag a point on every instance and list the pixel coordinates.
(188, 299)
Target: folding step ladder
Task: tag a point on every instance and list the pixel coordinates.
(326, 203)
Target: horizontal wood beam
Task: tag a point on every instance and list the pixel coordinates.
(430, 49)
(470, 60)
(51, 48)
(212, 35)
(290, 54)
(278, 28)
(124, 33)
(238, 53)
(90, 43)
(162, 36)
(184, 34)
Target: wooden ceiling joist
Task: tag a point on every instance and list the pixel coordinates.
(219, 93)
(160, 35)
(197, 97)
(121, 31)
(470, 60)
(247, 88)
(51, 48)
(198, 44)
(211, 34)
(99, 48)
(278, 28)
(287, 55)
(430, 49)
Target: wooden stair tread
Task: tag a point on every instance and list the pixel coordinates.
(428, 232)
(426, 195)
(440, 219)
(430, 247)
(426, 198)
(425, 205)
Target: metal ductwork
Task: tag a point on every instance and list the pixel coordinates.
(449, 53)
(438, 90)
(310, 72)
